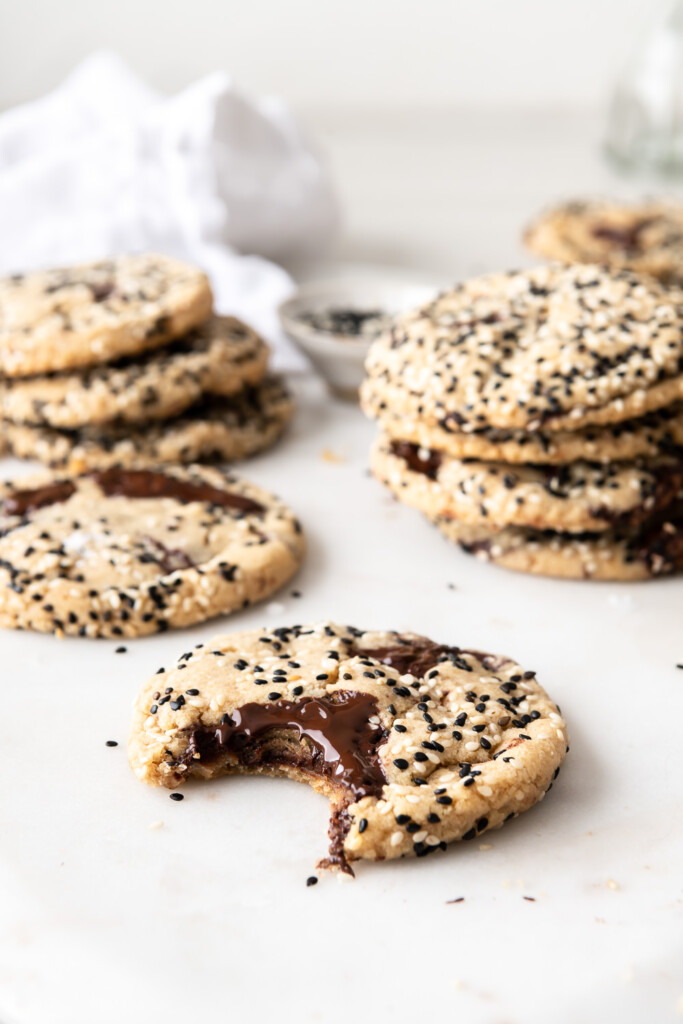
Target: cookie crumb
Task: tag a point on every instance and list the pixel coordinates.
(458, 899)
(154, 825)
(327, 455)
(112, 743)
(312, 880)
(485, 846)
(177, 796)
(611, 884)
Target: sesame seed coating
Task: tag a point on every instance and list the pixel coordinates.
(78, 557)
(222, 356)
(215, 429)
(575, 498)
(643, 237)
(657, 433)
(651, 550)
(551, 347)
(78, 316)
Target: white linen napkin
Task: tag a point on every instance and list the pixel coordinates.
(105, 164)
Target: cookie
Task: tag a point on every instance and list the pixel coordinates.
(217, 429)
(415, 743)
(650, 436)
(555, 347)
(575, 498)
(653, 549)
(121, 552)
(78, 316)
(645, 237)
(221, 357)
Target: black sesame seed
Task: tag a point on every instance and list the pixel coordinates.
(177, 796)
(112, 743)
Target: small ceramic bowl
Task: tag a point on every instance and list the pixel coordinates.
(339, 357)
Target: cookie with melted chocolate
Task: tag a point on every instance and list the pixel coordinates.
(415, 743)
(655, 548)
(644, 237)
(122, 552)
(576, 498)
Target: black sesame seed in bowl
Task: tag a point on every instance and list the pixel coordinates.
(334, 322)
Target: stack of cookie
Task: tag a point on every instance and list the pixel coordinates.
(123, 362)
(537, 419)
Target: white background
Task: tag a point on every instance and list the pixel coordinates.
(389, 53)
(103, 920)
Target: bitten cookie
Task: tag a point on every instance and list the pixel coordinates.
(653, 549)
(220, 357)
(575, 498)
(78, 316)
(658, 433)
(129, 552)
(415, 743)
(217, 429)
(643, 237)
(555, 347)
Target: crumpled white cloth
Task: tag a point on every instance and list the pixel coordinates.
(105, 164)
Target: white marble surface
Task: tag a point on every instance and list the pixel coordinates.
(105, 919)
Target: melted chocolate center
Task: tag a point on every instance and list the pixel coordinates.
(410, 455)
(129, 483)
(626, 237)
(22, 502)
(341, 742)
(412, 657)
(145, 483)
